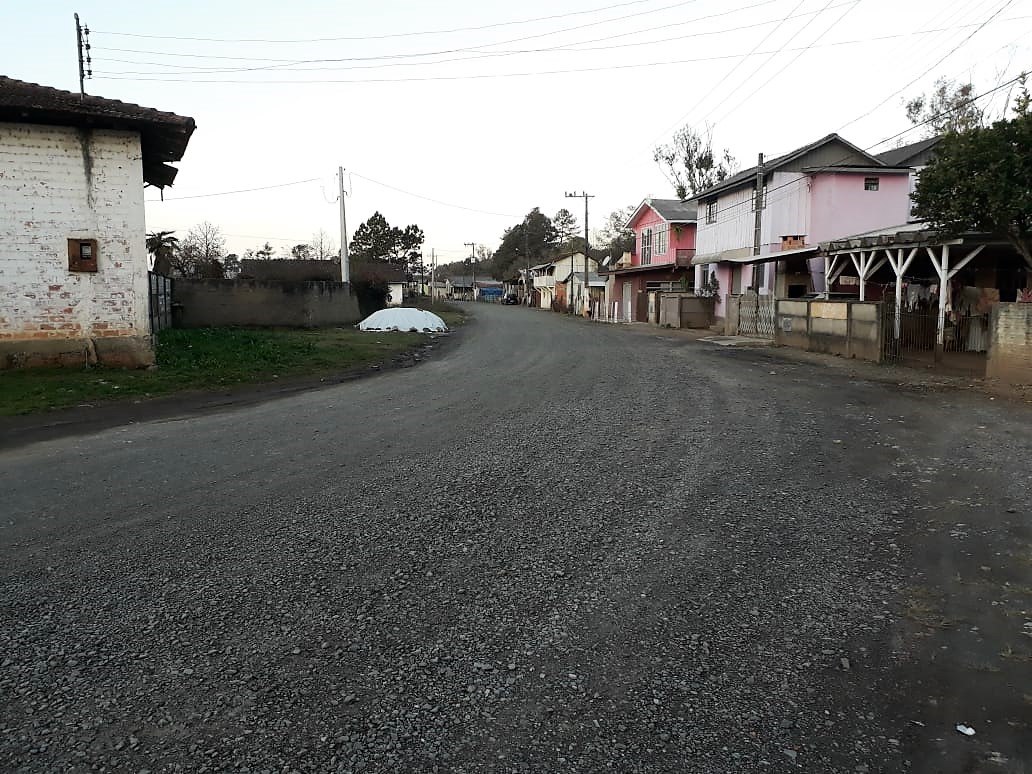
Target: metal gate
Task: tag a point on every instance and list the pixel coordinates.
(913, 334)
(756, 316)
(160, 301)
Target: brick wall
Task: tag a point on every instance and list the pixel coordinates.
(1010, 343)
(58, 183)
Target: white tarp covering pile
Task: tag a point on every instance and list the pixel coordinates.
(399, 319)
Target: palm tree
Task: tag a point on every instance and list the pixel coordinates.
(162, 245)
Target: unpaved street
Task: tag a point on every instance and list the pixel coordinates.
(555, 547)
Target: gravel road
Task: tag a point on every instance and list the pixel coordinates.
(555, 547)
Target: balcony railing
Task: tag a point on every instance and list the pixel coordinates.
(684, 257)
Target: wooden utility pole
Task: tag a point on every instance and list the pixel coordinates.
(585, 196)
(473, 266)
(758, 205)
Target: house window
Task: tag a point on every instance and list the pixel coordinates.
(661, 240)
(646, 246)
(711, 212)
(870, 184)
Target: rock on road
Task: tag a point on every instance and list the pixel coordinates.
(557, 547)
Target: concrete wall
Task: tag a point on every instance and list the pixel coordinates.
(684, 310)
(290, 270)
(841, 206)
(846, 328)
(1010, 343)
(56, 184)
(199, 303)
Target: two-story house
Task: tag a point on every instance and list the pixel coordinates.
(760, 228)
(556, 282)
(664, 244)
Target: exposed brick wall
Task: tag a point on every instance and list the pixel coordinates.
(1010, 347)
(58, 183)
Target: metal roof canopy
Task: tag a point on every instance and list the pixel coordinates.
(703, 260)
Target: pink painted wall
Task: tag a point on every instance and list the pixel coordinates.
(840, 207)
(682, 237)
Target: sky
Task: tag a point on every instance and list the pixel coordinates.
(462, 116)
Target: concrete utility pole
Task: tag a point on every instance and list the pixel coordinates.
(473, 265)
(526, 256)
(345, 269)
(585, 196)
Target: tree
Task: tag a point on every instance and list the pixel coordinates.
(979, 181)
(200, 253)
(377, 240)
(614, 236)
(566, 229)
(949, 108)
(323, 248)
(1022, 106)
(532, 240)
(265, 252)
(231, 265)
(301, 252)
(163, 246)
(689, 163)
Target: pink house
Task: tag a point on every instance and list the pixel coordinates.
(823, 191)
(664, 244)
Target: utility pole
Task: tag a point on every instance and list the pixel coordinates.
(759, 204)
(526, 256)
(82, 37)
(585, 196)
(433, 272)
(345, 269)
(473, 265)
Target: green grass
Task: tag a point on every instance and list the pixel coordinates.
(203, 359)
(452, 315)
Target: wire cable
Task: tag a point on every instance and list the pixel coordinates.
(242, 190)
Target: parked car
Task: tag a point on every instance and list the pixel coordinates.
(511, 299)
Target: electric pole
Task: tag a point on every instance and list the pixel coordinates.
(82, 37)
(345, 269)
(526, 256)
(758, 225)
(585, 196)
(473, 265)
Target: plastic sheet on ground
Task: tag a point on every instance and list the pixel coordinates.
(403, 319)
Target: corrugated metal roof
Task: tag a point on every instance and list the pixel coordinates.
(903, 155)
(771, 165)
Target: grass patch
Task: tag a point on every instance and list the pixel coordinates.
(203, 358)
(453, 316)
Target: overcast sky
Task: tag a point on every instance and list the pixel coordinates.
(492, 107)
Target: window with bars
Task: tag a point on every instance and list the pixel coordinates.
(871, 183)
(646, 246)
(711, 212)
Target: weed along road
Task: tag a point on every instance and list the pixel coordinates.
(555, 547)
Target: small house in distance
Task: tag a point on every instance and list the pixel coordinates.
(73, 255)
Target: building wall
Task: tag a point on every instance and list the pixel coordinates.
(58, 183)
(733, 230)
(841, 207)
(1010, 347)
(199, 303)
(680, 236)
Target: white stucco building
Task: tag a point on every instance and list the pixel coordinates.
(73, 257)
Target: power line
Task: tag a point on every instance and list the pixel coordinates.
(908, 130)
(435, 201)
(376, 37)
(475, 51)
(482, 76)
(793, 60)
(242, 190)
(938, 62)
